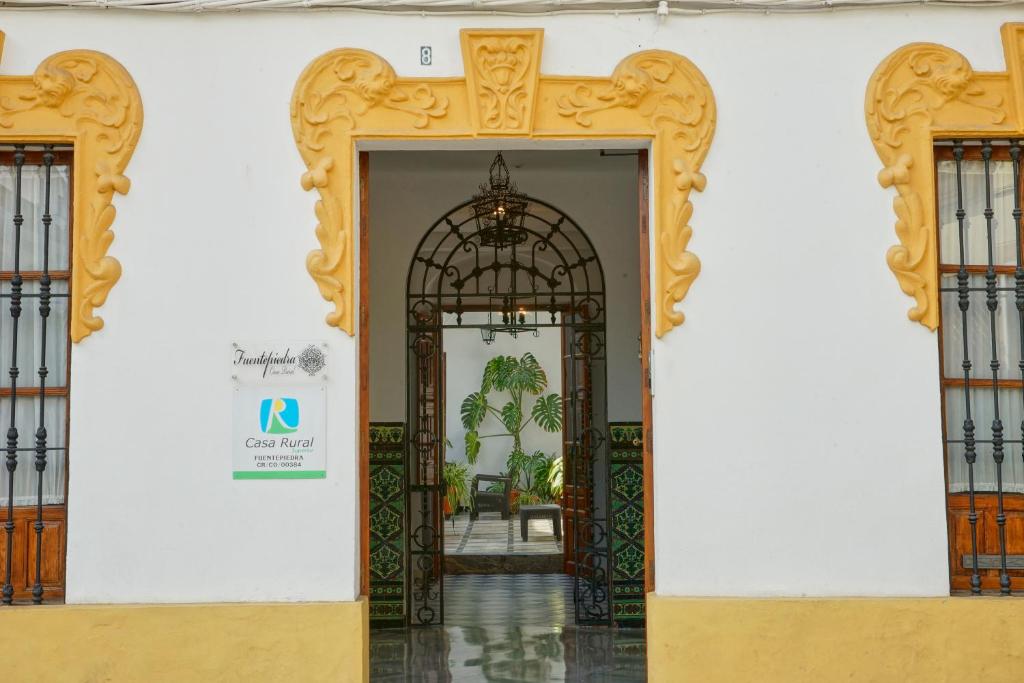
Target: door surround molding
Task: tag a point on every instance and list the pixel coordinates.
(351, 95)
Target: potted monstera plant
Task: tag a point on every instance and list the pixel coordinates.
(509, 385)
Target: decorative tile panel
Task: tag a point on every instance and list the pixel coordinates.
(627, 523)
(387, 524)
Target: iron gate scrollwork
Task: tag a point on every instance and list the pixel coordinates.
(538, 272)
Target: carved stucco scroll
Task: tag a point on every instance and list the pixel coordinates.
(656, 96)
(89, 99)
(920, 93)
(671, 95)
(332, 97)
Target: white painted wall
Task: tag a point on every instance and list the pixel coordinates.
(466, 357)
(797, 428)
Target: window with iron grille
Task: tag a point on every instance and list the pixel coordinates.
(981, 266)
(35, 277)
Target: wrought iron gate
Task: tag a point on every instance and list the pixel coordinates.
(526, 266)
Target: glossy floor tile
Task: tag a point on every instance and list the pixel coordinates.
(508, 629)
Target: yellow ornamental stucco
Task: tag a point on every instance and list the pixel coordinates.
(87, 99)
(655, 97)
(920, 93)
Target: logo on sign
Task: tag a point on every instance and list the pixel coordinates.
(279, 415)
(312, 360)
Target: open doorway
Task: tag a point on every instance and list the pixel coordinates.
(559, 292)
(504, 439)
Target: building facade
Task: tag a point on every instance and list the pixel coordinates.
(832, 200)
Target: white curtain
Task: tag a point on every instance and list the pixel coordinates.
(33, 179)
(979, 330)
(982, 412)
(31, 352)
(979, 325)
(25, 476)
(1004, 237)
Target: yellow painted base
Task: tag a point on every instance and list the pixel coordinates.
(250, 643)
(902, 640)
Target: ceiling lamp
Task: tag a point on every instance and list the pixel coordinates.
(511, 314)
(500, 209)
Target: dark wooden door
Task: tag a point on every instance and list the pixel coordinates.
(23, 551)
(961, 560)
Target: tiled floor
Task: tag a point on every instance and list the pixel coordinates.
(508, 629)
(492, 535)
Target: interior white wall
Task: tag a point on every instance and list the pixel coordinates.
(797, 429)
(466, 357)
(409, 191)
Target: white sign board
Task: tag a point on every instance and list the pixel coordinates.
(279, 410)
(299, 361)
(279, 432)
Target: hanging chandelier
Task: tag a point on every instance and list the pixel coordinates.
(500, 209)
(512, 314)
(500, 213)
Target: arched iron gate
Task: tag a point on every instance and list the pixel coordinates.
(553, 276)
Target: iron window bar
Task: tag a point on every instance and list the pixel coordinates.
(15, 298)
(982, 149)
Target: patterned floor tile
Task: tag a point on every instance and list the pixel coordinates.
(492, 535)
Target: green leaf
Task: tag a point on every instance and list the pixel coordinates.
(516, 462)
(510, 373)
(496, 373)
(490, 374)
(474, 409)
(472, 446)
(540, 466)
(555, 478)
(512, 416)
(528, 375)
(547, 412)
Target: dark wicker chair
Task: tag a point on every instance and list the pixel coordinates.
(490, 501)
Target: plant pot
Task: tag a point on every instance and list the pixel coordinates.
(448, 503)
